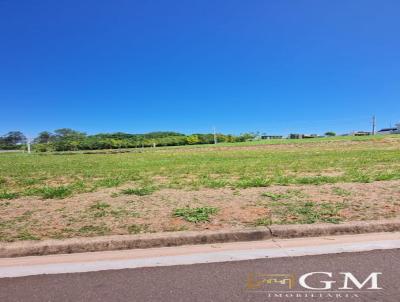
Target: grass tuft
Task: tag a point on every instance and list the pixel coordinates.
(109, 182)
(275, 196)
(100, 209)
(253, 183)
(55, 192)
(139, 191)
(94, 230)
(7, 195)
(287, 195)
(340, 192)
(306, 212)
(195, 214)
(262, 222)
(25, 235)
(138, 228)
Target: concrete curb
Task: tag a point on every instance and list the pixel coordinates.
(121, 242)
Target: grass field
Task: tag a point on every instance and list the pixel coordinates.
(117, 185)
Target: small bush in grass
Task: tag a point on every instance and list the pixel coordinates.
(195, 214)
(7, 195)
(55, 192)
(139, 191)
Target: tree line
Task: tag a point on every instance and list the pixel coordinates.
(12, 140)
(66, 139)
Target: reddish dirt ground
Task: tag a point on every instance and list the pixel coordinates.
(109, 212)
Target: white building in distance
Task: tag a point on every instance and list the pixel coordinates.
(394, 130)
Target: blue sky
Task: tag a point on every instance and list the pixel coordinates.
(138, 66)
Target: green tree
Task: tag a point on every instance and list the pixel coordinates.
(44, 137)
(67, 133)
(13, 138)
(192, 139)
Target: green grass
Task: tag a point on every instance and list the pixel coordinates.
(139, 191)
(99, 209)
(94, 230)
(253, 182)
(50, 192)
(241, 165)
(305, 212)
(195, 215)
(103, 209)
(25, 235)
(7, 195)
(288, 194)
(109, 182)
(262, 222)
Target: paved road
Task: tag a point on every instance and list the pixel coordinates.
(225, 281)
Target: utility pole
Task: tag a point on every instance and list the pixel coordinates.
(373, 124)
(28, 145)
(215, 136)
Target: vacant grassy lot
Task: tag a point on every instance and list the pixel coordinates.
(65, 195)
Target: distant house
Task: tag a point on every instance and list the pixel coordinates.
(271, 136)
(310, 135)
(394, 130)
(295, 136)
(300, 136)
(361, 133)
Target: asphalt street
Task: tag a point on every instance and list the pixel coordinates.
(226, 281)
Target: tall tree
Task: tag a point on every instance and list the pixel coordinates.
(14, 138)
(67, 133)
(44, 137)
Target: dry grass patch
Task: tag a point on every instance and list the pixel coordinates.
(97, 213)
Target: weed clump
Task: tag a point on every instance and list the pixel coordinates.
(195, 215)
(139, 191)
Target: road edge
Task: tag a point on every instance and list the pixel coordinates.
(142, 241)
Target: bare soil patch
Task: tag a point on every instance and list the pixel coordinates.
(109, 212)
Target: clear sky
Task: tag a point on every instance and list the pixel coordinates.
(138, 66)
